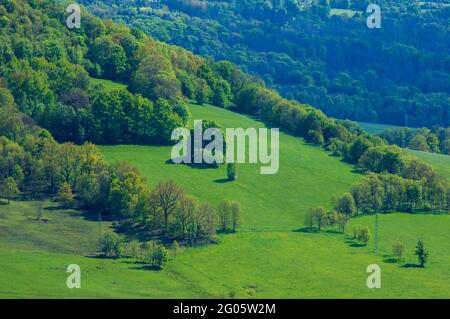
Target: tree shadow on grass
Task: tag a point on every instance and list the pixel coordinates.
(223, 180)
(193, 165)
(57, 207)
(102, 257)
(3, 203)
(390, 260)
(146, 267)
(354, 244)
(411, 266)
(333, 231)
(306, 230)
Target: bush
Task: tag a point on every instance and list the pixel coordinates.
(364, 235)
(356, 231)
(134, 250)
(111, 245)
(398, 248)
(155, 255)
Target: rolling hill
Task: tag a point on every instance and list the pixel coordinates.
(272, 257)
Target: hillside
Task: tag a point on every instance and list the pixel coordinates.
(141, 226)
(267, 259)
(269, 202)
(439, 161)
(318, 52)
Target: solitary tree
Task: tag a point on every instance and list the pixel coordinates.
(421, 252)
(176, 248)
(110, 244)
(232, 171)
(341, 222)
(155, 254)
(364, 235)
(159, 257)
(346, 205)
(398, 249)
(133, 249)
(10, 189)
(356, 231)
(224, 212)
(166, 196)
(235, 215)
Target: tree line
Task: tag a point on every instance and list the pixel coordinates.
(435, 140)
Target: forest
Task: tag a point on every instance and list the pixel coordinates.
(317, 52)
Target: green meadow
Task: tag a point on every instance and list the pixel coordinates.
(375, 128)
(348, 12)
(111, 85)
(271, 257)
(440, 162)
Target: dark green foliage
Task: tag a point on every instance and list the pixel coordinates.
(436, 140)
(395, 75)
(231, 171)
(421, 252)
(110, 244)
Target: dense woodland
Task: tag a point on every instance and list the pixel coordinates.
(398, 74)
(51, 112)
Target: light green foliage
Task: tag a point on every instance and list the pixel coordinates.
(364, 235)
(398, 249)
(110, 244)
(65, 194)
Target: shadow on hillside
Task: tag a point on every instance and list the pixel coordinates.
(58, 207)
(93, 216)
(411, 266)
(390, 260)
(3, 203)
(192, 165)
(306, 230)
(333, 231)
(357, 245)
(101, 256)
(223, 180)
(146, 267)
(353, 243)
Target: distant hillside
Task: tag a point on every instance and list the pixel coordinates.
(319, 54)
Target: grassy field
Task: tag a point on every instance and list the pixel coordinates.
(375, 128)
(439, 161)
(109, 84)
(271, 257)
(349, 12)
(269, 202)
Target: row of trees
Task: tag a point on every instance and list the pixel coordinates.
(388, 192)
(151, 253)
(436, 140)
(318, 217)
